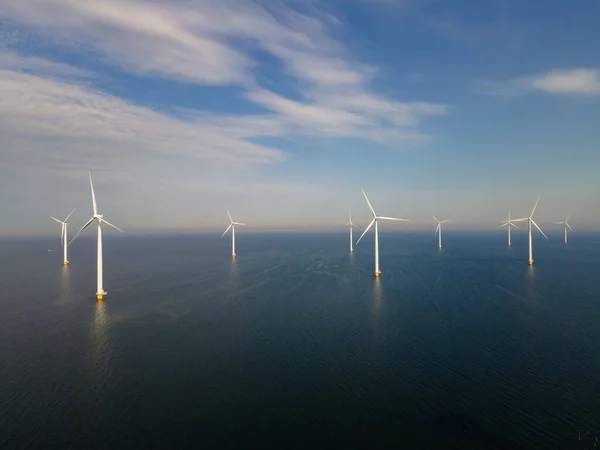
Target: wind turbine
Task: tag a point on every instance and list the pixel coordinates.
(566, 224)
(99, 217)
(63, 236)
(351, 225)
(232, 225)
(439, 229)
(508, 224)
(529, 222)
(374, 221)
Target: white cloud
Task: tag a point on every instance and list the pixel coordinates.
(580, 82)
(213, 42)
(573, 81)
(58, 123)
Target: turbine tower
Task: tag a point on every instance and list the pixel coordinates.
(508, 224)
(439, 229)
(565, 223)
(529, 222)
(99, 217)
(232, 225)
(351, 225)
(63, 236)
(374, 221)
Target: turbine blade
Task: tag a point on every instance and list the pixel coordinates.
(54, 218)
(535, 206)
(238, 223)
(568, 217)
(62, 234)
(513, 225)
(70, 214)
(536, 225)
(569, 226)
(230, 225)
(365, 232)
(393, 218)
(228, 215)
(434, 217)
(446, 221)
(437, 229)
(82, 228)
(503, 225)
(93, 195)
(111, 225)
(369, 203)
(519, 220)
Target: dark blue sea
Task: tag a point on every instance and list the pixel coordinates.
(296, 345)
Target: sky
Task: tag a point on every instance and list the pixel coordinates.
(283, 110)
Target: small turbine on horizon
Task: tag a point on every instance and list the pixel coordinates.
(99, 217)
(529, 222)
(439, 229)
(374, 221)
(351, 225)
(63, 236)
(566, 224)
(508, 224)
(232, 225)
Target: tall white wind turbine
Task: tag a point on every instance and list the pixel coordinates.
(351, 225)
(232, 225)
(99, 217)
(529, 222)
(63, 236)
(374, 221)
(566, 224)
(508, 224)
(439, 229)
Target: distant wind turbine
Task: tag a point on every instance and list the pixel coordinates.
(351, 225)
(232, 225)
(99, 217)
(374, 221)
(63, 236)
(508, 224)
(439, 229)
(566, 224)
(529, 222)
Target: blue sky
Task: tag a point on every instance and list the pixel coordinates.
(283, 110)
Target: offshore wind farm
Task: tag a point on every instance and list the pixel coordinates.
(333, 224)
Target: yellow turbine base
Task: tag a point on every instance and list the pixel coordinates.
(377, 274)
(65, 263)
(530, 263)
(100, 295)
(233, 256)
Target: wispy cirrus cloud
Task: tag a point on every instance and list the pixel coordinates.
(576, 82)
(213, 43)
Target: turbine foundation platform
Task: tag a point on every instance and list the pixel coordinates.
(65, 263)
(376, 274)
(530, 262)
(100, 295)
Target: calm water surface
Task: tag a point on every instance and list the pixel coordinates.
(295, 344)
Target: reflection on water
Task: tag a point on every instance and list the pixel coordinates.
(376, 296)
(64, 285)
(530, 285)
(99, 351)
(232, 281)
